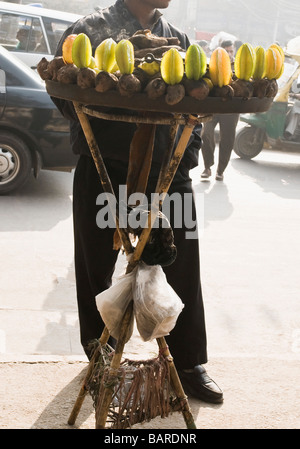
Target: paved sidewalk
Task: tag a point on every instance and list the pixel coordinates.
(250, 254)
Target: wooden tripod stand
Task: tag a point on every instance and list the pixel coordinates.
(168, 169)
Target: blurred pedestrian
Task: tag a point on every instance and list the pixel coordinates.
(228, 45)
(205, 45)
(237, 45)
(227, 124)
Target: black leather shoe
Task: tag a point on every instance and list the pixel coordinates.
(198, 384)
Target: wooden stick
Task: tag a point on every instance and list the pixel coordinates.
(176, 384)
(101, 169)
(102, 409)
(83, 390)
(141, 118)
(140, 158)
(168, 154)
(162, 189)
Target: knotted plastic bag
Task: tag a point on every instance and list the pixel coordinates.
(113, 302)
(156, 305)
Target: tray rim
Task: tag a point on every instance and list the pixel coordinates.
(140, 102)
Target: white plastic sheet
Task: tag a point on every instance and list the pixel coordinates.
(113, 302)
(156, 305)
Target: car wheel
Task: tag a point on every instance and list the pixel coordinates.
(15, 163)
(249, 142)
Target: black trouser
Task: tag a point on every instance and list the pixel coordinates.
(95, 262)
(227, 123)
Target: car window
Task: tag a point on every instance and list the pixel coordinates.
(30, 34)
(38, 38)
(54, 29)
(17, 72)
(20, 33)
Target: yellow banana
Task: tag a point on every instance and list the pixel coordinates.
(150, 67)
(208, 81)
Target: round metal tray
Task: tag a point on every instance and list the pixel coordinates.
(140, 102)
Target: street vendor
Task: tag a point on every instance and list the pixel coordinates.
(95, 257)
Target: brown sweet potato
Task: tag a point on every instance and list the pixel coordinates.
(148, 41)
(173, 41)
(129, 85)
(105, 81)
(156, 41)
(68, 74)
(156, 52)
(86, 78)
(175, 94)
(146, 31)
(142, 76)
(54, 66)
(242, 88)
(260, 88)
(225, 92)
(156, 88)
(265, 88)
(196, 89)
(272, 89)
(42, 69)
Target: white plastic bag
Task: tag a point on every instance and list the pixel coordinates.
(156, 305)
(112, 304)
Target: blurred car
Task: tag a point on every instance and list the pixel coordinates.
(33, 134)
(30, 32)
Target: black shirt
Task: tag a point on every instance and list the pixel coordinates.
(114, 137)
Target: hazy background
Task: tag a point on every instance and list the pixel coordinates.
(257, 21)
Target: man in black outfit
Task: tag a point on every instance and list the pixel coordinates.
(94, 255)
(227, 124)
